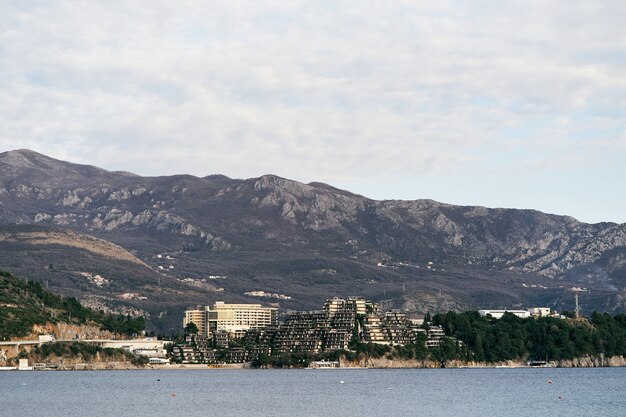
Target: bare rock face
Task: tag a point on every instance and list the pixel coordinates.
(304, 205)
(71, 199)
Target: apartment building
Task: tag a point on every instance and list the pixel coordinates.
(356, 305)
(374, 330)
(235, 319)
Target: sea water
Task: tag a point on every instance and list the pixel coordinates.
(329, 392)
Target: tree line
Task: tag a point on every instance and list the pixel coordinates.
(485, 339)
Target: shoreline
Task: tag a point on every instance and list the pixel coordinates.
(245, 366)
(363, 363)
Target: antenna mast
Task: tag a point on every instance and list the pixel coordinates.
(576, 291)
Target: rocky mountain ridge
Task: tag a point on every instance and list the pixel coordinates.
(269, 226)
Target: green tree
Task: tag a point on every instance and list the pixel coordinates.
(447, 350)
(191, 328)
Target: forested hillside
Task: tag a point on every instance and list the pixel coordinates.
(484, 339)
(24, 304)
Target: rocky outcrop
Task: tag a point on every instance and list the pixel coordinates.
(66, 331)
(389, 363)
(592, 362)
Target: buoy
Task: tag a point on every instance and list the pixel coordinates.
(560, 397)
(549, 381)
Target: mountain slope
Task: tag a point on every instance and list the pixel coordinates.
(311, 241)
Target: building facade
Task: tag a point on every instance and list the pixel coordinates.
(356, 305)
(235, 319)
(197, 317)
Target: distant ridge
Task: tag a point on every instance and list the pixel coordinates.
(310, 241)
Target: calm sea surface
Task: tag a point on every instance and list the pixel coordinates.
(365, 392)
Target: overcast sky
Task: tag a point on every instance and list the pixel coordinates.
(495, 103)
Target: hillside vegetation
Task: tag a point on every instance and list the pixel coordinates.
(484, 339)
(25, 304)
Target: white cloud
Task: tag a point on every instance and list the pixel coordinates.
(333, 91)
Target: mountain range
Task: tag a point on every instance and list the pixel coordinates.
(156, 245)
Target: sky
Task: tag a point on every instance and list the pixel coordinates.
(516, 104)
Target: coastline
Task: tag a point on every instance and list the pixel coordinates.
(369, 363)
(385, 363)
(111, 366)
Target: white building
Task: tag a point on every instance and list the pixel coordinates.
(149, 346)
(23, 365)
(497, 314)
(541, 312)
(235, 319)
(531, 312)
